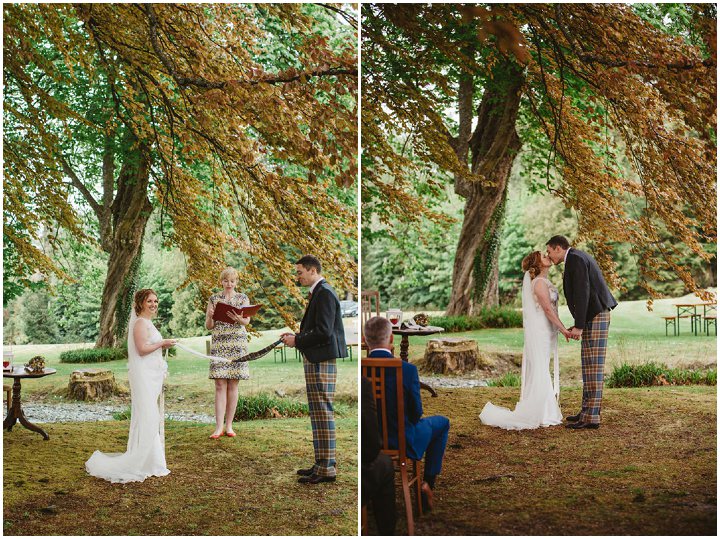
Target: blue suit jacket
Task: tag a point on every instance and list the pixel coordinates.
(417, 431)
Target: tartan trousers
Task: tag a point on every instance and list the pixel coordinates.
(593, 348)
(320, 381)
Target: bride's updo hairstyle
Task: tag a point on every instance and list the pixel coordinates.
(533, 263)
(140, 297)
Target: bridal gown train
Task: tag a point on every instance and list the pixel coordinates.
(145, 455)
(538, 405)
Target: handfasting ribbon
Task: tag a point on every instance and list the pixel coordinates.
(248, 357)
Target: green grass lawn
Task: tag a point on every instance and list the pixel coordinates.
(651, 469)
(636, 336)
(233, 486)
(240, 486)
(188, 376)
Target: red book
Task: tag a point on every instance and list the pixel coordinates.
(222, 310)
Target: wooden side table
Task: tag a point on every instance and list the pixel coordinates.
(405, 344)
(15, 411)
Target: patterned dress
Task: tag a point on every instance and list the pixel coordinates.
(230, 342)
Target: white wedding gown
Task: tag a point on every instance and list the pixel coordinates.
(538, 405)
(145, 455)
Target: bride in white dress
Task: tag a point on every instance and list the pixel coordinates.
(538, 405)
(147, 370)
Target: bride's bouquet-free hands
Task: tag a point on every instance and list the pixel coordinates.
(168, 343)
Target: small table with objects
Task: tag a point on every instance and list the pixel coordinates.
(405, 334)
(15, 411)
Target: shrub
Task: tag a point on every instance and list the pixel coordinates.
(92, 355)
(495, 317)
(265, 406)
(509, 379)
(659, 374)
(122, 415)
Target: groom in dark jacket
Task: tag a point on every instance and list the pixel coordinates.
(321, 340)
(590, 303)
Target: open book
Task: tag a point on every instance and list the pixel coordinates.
(222, 311)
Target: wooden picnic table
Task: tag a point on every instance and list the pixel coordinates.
(689, 310)
(15, 412)
(405, 334)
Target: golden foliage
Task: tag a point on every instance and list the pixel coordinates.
(194, 83)
(601, 83)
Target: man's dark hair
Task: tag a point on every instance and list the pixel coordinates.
(559, 241)
(310, 261)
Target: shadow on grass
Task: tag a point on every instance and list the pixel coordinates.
(233, 486)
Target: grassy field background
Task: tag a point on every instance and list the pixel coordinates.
(649, 470)
(234, 486)
(188, 386)
(636, 336)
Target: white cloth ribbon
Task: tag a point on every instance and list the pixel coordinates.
(213, 358)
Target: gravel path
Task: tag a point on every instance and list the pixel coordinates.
(448, 382)
(70, 412)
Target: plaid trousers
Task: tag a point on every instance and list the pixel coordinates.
(320, 381)
(593, 348)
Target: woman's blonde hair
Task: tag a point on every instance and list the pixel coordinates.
(229, 273)
(533, 263)
(140, 297)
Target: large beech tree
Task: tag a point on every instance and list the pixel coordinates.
(238, 122)
(585, 87)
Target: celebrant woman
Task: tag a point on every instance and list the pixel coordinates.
(229, 341)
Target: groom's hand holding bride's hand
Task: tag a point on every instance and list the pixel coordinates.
(575, 333)
(566, 334)
(288, 339)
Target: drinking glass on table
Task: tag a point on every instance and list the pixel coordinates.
(395, 316)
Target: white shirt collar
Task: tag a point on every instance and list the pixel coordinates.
(566, 253)
(314, 285)
(379, 350)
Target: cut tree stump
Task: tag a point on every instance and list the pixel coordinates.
(451, 355)
(92, 385)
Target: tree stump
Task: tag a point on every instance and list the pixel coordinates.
(92, 385)
(454, 355)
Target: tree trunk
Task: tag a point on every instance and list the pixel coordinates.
(493, 148)
(130, 211)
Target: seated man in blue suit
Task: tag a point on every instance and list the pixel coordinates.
(423, 435)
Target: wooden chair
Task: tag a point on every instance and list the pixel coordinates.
(376, 369)
(369, 307)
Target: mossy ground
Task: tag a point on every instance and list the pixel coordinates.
(651, 469)
(240, 486)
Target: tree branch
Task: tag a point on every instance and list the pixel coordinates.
(67, 169)
(609, 62)
(352, 21)
(201, 82)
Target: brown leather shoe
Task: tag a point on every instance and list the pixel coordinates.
(306, 471)
(426, 496)
(573, 418)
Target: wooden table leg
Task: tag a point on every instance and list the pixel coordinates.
(404, 355)
(16, 414)
(404, 347)
(14, 410)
